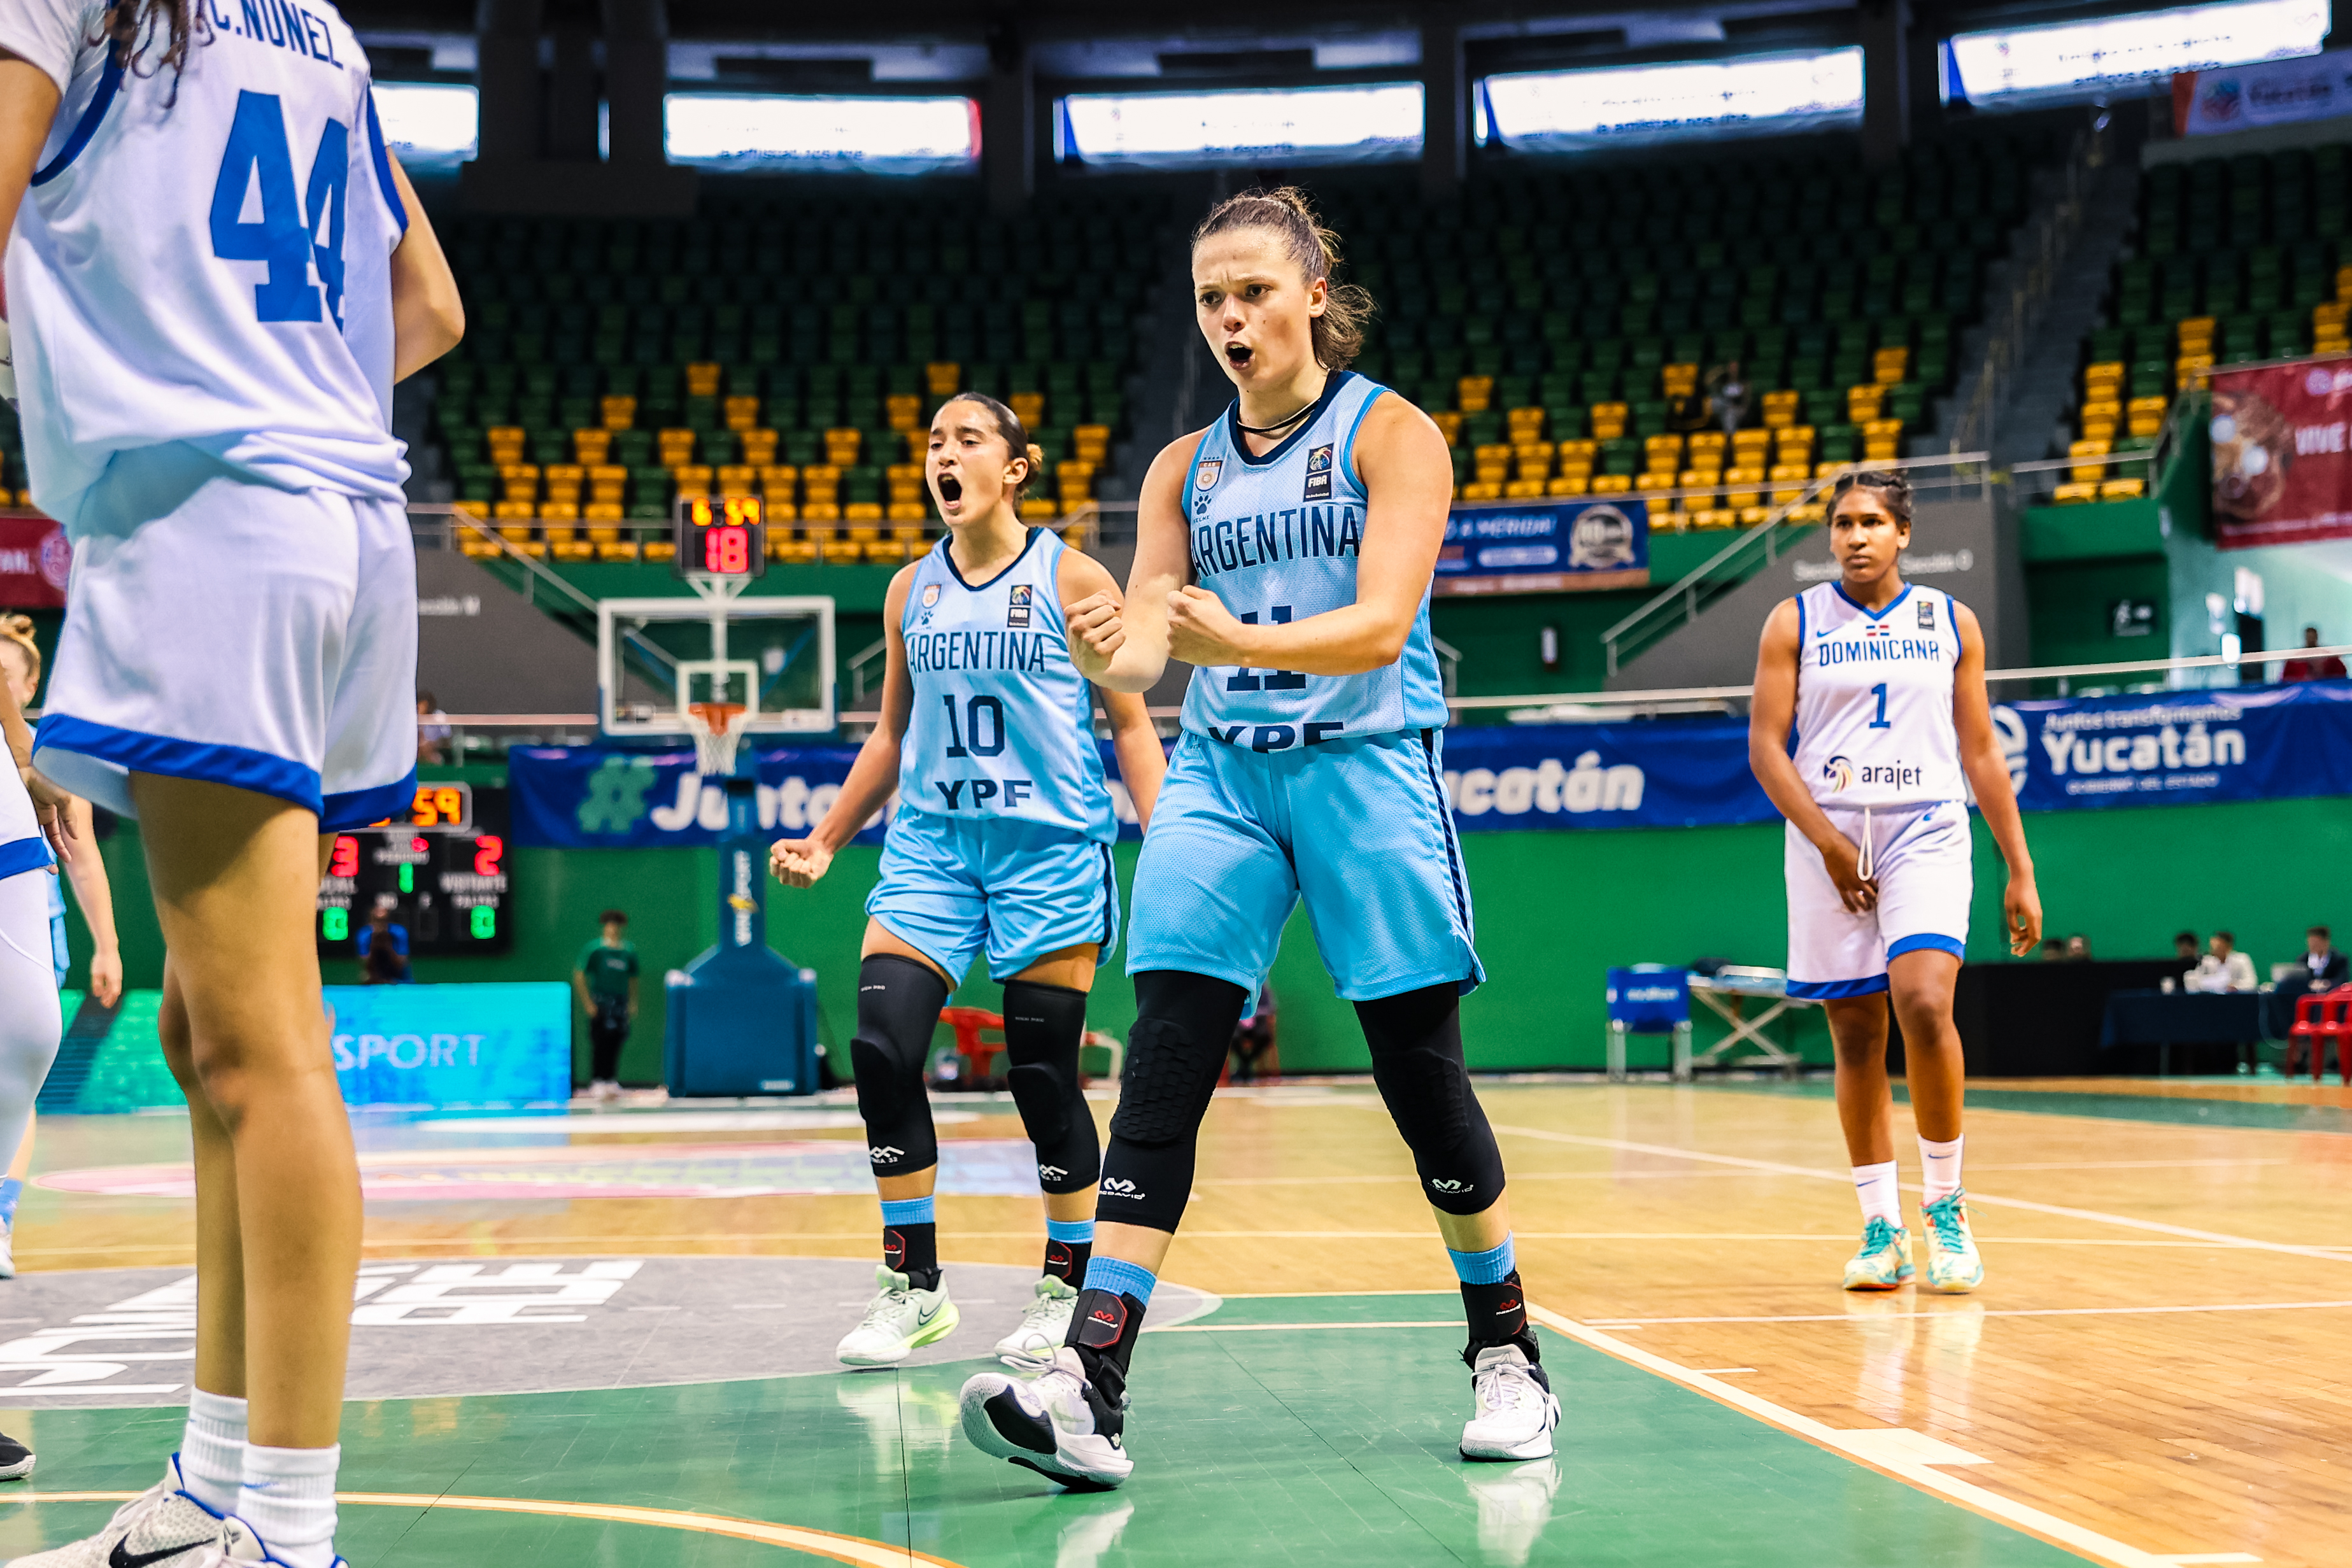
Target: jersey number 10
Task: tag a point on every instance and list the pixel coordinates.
(286, 236)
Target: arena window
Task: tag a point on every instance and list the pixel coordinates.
(1198, 130)
(1558, 112)
(877, 135)
(2080, 60)
(427, 122)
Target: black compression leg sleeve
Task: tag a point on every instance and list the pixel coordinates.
(1043, 1027)
(1183, 1024)
(1416, 1044)
(898, 1003)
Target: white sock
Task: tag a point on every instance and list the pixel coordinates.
(1943, 1162)
(1882, 1198)
(289, 1498)
(212, 1451)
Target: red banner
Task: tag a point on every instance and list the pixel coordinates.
(2283, 454)
(34, 560)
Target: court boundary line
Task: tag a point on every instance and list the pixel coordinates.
(1863, 1446)
(1985, 1200)
(853, 1548)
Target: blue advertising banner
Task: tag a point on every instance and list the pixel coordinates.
(1545, 547)
(2250, 743)
(492, 1044)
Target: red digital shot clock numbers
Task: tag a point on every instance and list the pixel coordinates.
(721, 537)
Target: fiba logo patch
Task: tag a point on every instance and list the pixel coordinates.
(1318, 475)
(1016, 612)
(1927, 615)
(1839, 772)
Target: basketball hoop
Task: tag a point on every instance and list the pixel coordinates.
(717, 727)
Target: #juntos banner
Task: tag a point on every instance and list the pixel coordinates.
(2282, 473)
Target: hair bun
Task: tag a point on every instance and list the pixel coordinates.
(1036, 456)
(16, 623)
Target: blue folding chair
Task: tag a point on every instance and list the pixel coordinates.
(1650, 998)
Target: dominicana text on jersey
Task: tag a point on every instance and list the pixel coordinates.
(1277, 538)
(1875, 698)
(1003, 723)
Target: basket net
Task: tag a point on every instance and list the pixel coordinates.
(717, 728)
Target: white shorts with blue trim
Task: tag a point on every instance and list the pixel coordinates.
(1359, 830)
(1919, 855)
(233, 631)
(1021, 890)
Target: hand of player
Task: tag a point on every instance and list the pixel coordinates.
(2021, 910)
(1844, 862)
(1202, 631)
(50, 807)
(798, 863)
(106, 978)
(1097, 629)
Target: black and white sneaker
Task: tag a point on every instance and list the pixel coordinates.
(1057, 1424)
(16, 1460)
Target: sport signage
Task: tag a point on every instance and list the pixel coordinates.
(2267, 92)
(2248, 743)
(2282, 439)
(1545, 547)
(491, 1044)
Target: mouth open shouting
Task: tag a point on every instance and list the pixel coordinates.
(951, 489)
(1238, 355)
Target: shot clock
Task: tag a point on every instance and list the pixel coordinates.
(442, 864)
(723, 537)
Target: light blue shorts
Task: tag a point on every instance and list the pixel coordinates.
(1021, 890)
(1359, 828)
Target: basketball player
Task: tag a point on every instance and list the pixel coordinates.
(1286, 552)
(1001, 844)
(216, 275)
(33, 834)
(1885, 684)
(20, 671)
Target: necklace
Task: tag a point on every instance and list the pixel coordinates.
(1278, 425)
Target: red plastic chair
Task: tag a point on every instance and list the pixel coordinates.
(2318, 1020)
(978, 1054)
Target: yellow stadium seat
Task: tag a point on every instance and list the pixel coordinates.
(2072, 494)
(2085, 471)
(1570, 484)
(1612, 483)
(1780, 409)
(1482, 490)
(2122, 489)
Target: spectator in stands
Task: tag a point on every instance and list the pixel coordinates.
(1727, 395)
(2078, 948)
(2330, 668)
(604, 978)
(432, 739)
(2224, 967)
(383, 950)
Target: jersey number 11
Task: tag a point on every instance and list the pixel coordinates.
(286, 236)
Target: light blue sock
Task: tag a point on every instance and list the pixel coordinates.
(908, 1211)
(1070, 1230)
(1120, 1277)
(12, 1189)
(1488, 1267)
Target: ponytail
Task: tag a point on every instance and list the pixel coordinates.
(1016, 439)
(17, 630)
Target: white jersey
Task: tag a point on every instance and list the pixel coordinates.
(1875, 698)
(22, 847)
(205, 254)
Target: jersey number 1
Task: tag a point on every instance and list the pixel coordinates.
(288, 239)
(1879, 691)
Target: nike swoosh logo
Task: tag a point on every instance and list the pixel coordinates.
(121, 1557)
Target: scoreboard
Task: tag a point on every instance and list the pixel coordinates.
(442, 866)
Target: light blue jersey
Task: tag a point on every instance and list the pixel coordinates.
(1003, 724)
(1277, 538)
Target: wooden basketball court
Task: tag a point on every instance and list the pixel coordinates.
(2152, 1373)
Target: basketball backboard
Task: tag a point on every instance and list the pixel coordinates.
(658, 657)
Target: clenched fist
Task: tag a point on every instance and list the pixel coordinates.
(798, 863)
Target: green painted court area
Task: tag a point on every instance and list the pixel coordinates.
(1295, 1430)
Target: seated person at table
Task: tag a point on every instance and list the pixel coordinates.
(2324, 966)
(2186, 950)
(2078, 948)
(2224, 968)
(2329, 668)
(2053, 951)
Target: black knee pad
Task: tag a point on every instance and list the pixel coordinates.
(898, 1003)
(1043, 1026)
(1174, 1052)
(1416, 1045)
